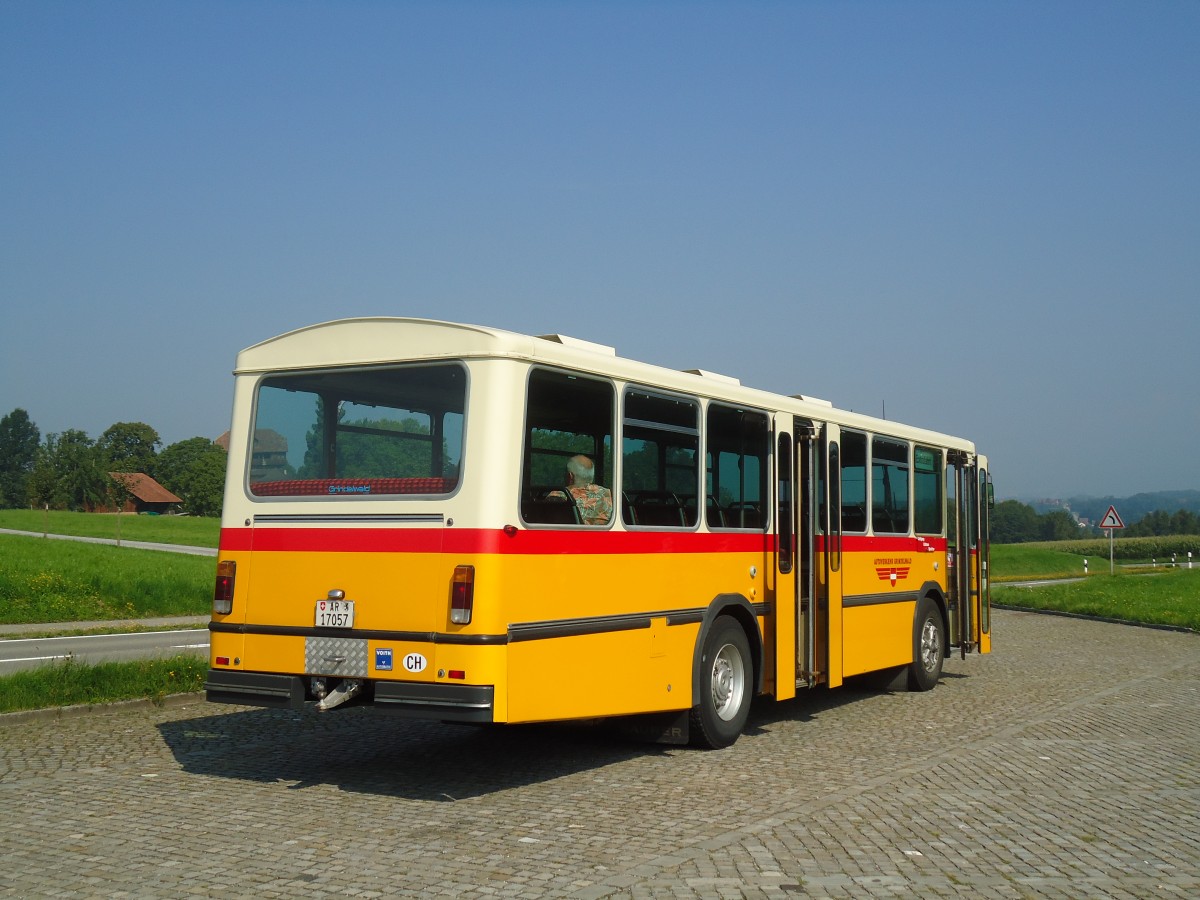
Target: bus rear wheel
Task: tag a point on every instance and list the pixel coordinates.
(929, 646)
(724, 669)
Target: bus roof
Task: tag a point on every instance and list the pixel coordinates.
(381, 340)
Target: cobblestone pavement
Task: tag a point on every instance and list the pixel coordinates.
(1066, 764)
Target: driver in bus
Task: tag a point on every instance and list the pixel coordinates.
(594, 501)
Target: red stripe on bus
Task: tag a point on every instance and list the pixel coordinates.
(482, 540)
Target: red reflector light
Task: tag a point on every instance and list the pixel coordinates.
(222, 660)
(462, 595)
(223, 592)
(457, 673)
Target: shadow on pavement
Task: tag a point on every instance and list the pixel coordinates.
(360, 750)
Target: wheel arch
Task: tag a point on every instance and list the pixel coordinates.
(933, 591)
(741, 610)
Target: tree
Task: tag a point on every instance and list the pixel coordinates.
(1154, 524)
(68, 473)
(19, 440)
(1058, 525)
(129, 447)
(195, 471)
(1014, 522)
(1185, 522)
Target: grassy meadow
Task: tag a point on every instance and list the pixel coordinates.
(68, 581)
(73, 684)
(1159, 595)
(1022, 562)
(1168, 597)
(186, 530)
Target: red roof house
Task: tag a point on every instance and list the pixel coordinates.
(145, 494)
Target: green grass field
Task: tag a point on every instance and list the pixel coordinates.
(1163, 595)
(1158, 597)
(73, 684)
(68, 581)
(1020, 562)
(187, 530)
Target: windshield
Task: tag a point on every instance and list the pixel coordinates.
(360, 432)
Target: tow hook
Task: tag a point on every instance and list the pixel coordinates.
(340, 694)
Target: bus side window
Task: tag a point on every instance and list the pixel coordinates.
(889, 486)
(736, 452)
(927, 487)
(566, 415)
(854, 481)
(660, 473)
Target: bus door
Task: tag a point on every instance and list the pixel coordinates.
(788, 564)
(983, 554)
(810, 623)
(799, 623)
(963, 551)
(828, 570)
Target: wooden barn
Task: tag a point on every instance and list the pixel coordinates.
(145, 495)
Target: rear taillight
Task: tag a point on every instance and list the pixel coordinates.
(223, 592)
(462, 595)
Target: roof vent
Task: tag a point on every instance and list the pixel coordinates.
(714, 376)
(816, 401)
(577, 344)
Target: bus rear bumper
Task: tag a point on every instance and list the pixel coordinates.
(446, 702)
(254, 689)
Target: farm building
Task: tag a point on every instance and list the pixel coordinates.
(145, 495)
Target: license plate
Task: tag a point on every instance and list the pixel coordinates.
(335, 613)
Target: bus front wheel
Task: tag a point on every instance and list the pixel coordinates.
(725, 670)
(929, 647)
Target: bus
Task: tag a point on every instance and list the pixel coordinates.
(465, 524)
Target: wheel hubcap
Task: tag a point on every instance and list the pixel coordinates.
(931, 646)
(728, 682)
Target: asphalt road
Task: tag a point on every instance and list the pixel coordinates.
(27, 653)
(1064, 765)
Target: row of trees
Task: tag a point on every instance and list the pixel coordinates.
(1014, 522)
(71, 471)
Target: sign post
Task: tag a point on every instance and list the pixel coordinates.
(1111, 521)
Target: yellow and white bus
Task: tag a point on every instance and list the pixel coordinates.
(398, 531)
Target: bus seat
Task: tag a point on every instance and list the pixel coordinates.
(743, 515)
(657, 508)
(716, 515)
(552, 506)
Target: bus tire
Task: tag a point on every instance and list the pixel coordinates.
(929, 646)
(725, 679)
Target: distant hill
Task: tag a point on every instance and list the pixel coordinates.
(1130, 508)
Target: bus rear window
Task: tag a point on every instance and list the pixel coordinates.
(358, 433)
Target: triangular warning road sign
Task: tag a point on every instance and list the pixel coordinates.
(1111, 519)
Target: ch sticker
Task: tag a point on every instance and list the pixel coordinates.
(414, 662)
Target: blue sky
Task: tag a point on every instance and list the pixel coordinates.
(985, 216)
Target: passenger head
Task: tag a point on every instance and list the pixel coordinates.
(581, 469)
